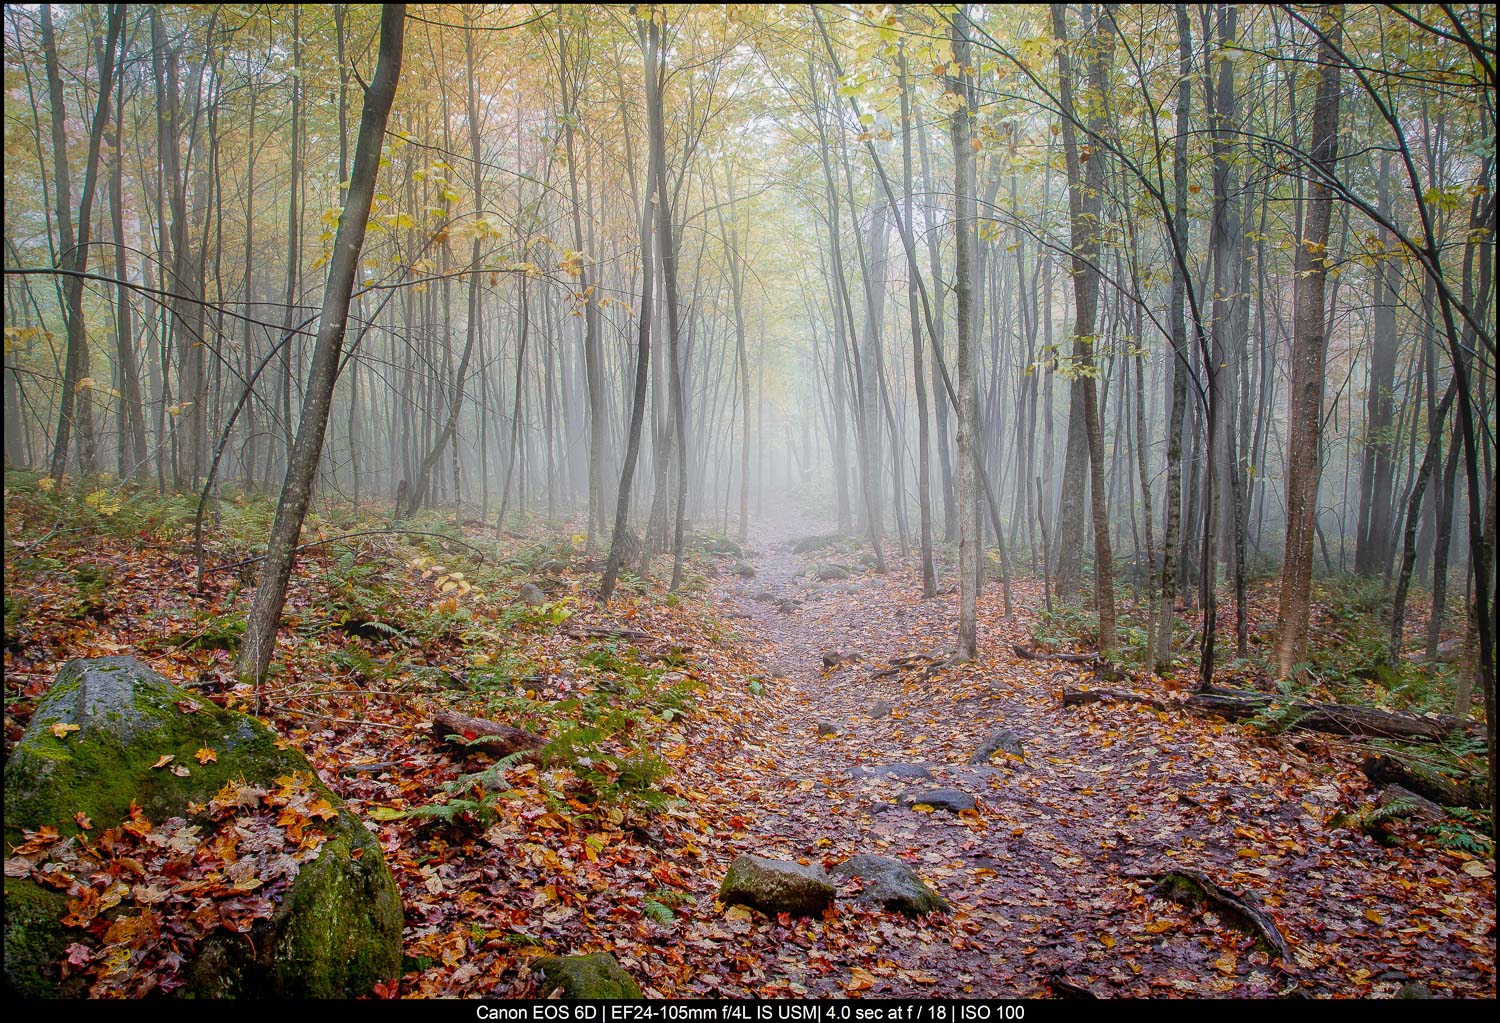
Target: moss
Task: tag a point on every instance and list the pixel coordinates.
(336, 932)
(585, 977)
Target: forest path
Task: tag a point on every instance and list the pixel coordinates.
(1048, 877)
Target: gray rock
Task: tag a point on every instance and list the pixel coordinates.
(579, 978)
(830, 572)
(336, 929)
(762, 596)
(531, 595)
(1417, 806)
(890, 884)
(951, 800)
(905, 772)
(826, 727)
(1001, 741)
(833, 658)
(881, 709)
(744, 570)
(776, 886)
(1414, 989)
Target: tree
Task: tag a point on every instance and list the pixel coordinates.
(264, 619)
(1309, 346)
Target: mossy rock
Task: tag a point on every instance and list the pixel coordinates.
(336, 931)
(776, 886)
(584, 977)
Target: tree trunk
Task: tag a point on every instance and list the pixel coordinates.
(264, 618)
(1309, 345)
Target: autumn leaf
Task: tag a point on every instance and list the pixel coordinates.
(860, 979)
(61, 729)
(206, 755)
(164, 760)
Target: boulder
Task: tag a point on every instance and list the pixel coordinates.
(744, 570)
(579, 978)
(826, 727)
(531, 595)
(881, 709)
(776, 886)
(1001, 741)
(114, 743)
(890, 884)
(951, 800)
(831, 572)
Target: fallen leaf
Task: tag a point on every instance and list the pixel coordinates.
(61, 729)
(166, 758)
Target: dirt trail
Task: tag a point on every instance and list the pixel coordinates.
(1049, 876)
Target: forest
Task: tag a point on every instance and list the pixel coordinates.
(750, 501)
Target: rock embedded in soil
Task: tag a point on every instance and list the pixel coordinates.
(776, 886)
(890, 884)
(579, 978)
(833, 658)
(336, 929)
(744, 570)
(831, 572)
(951, 800)
(531, 595)
(1000, 741)
(881, 709)
(826, 727)
(905, 772)
(1419, 807)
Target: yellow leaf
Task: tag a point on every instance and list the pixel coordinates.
(1159, 926)
(860, 979)
(1107, 940)
(205, 755)
(1474, 868)
(1226, 964)
(1374, 916)
(61, 730)
(166, 759)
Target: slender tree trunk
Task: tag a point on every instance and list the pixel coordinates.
(264, 618)
(1309, 346)
(960, 85)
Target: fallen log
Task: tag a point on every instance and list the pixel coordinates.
(1076, 697)
(1336, 718)
(1191, 888)
(480, 734)
(1383, 770)
(1028, 654)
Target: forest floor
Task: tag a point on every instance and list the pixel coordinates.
(695, 738)
(1050, 877)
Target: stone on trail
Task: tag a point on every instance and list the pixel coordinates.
(951, 800)
(826, 727)
(744, 570)
(890, 884)
(762, 596)
(93, 748)
(833, 658)
(881, 709)
(531, 595)
(579, 978)
(831, 572)
(906, 772)
(1001, 741)
(776, 886)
